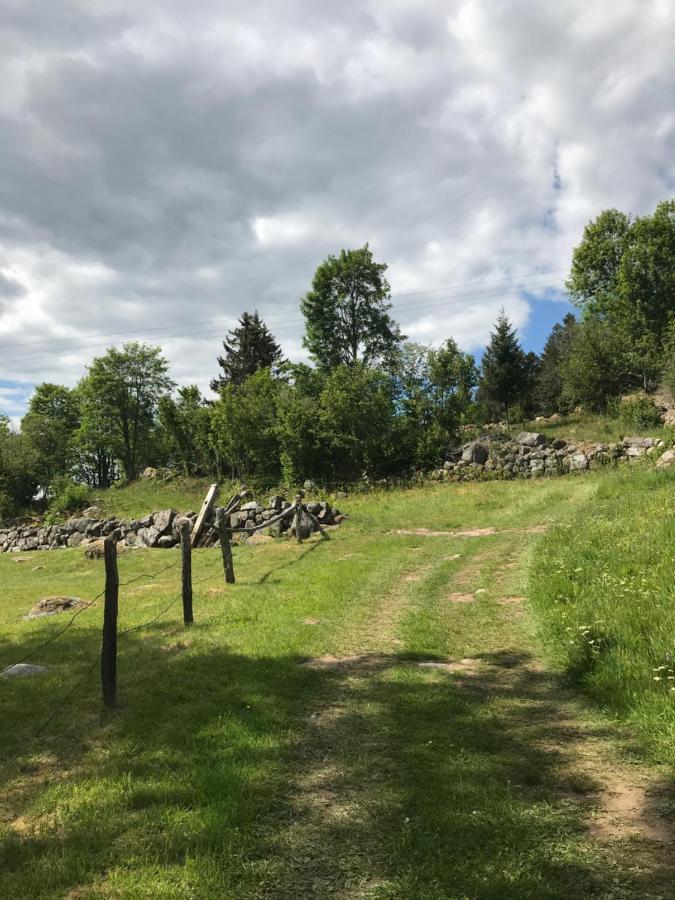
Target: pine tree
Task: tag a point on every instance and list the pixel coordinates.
(248, 348)
(504, 367)
(556, 353)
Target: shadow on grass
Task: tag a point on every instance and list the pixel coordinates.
(225, 775)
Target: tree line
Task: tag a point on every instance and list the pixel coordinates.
(372, 403)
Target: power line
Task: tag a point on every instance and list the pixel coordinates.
(272, 318)
(293, 321)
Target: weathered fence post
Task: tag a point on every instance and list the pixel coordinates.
(225, 546)
(186, 571)
(298, 520)
(109, 644)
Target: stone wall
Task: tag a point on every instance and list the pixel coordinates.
(530, 455)
(159, 529)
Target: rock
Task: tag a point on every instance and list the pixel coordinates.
(275, 502)
(668, 459)
(340, 495)
(559, 444)
(310, 485)
(148, 536)
(644, 442)
(251, 505)
(166, 541)
(259, 538)
(578, 462)
(51, 606)
(91, 512)
(19, 670)
(475, 452)
(149, 473)
(162, 520)
(635, 452)
(96, 549)
(307, 526)
(530, 439)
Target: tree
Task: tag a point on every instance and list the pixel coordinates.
(185, 424)
(594, 369)
(549, 387)
(347, 312)
(49, 427)
(244, 427)
(623, 273)
(18, 471)
(125, 386)
(248, 348)
(453, 377)
(504, 368)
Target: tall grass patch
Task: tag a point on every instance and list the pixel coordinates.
(603, 590)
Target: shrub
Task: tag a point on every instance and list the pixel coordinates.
(639, 412)
(69, 496)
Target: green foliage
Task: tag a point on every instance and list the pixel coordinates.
(594, 368)
(623, 274)
(639, 412)
(68, 497)
(49, 427)
(19, 479)
(550, 393)
(248, 348)
(347, 312)
(505, 370)
(120, 395)
(243, 428)
(185, 430)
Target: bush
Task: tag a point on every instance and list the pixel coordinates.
(69, 496)
(639, 412)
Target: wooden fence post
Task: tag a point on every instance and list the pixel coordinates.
(109, 646)
(225, 546)
(298, 521)
(186, 571)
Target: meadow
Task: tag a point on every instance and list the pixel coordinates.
(392, 713)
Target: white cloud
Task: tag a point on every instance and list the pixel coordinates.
(165, 166)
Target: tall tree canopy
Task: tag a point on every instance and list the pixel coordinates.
(504, 367)
(49, 426)
(550, 383)
(347, 312)
(248, 348)
(623, 273)
(126, 386)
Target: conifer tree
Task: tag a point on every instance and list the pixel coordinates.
(504, 367)
(248, 348)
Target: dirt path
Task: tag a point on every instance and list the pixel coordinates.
(558, 757)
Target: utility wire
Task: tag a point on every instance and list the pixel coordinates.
(291, 319)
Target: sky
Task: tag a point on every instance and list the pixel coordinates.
(165, 166)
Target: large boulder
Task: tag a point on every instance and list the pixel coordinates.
(668, 459)
(475, 452)
(162, 520)
(642, 442)
(149, 536)
(578, 461)
(20, 670)
(51, 606)
(530, 439)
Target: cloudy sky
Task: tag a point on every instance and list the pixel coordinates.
(166, 165)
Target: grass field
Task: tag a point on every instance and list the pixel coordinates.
(369, 716)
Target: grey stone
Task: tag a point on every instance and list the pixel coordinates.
(148, 536)
(644, 442)
(578, 462)
(310, 485)
(530, 439)
(668, 459)
(558, 444)
(474, 452)
(166, 541)
(633, 452)
(75, 539)
(20, 670)
(162, 520)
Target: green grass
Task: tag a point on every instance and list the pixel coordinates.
(604, 592)
(593, 428)
(231, 769)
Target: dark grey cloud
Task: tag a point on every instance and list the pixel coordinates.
(164, 165)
